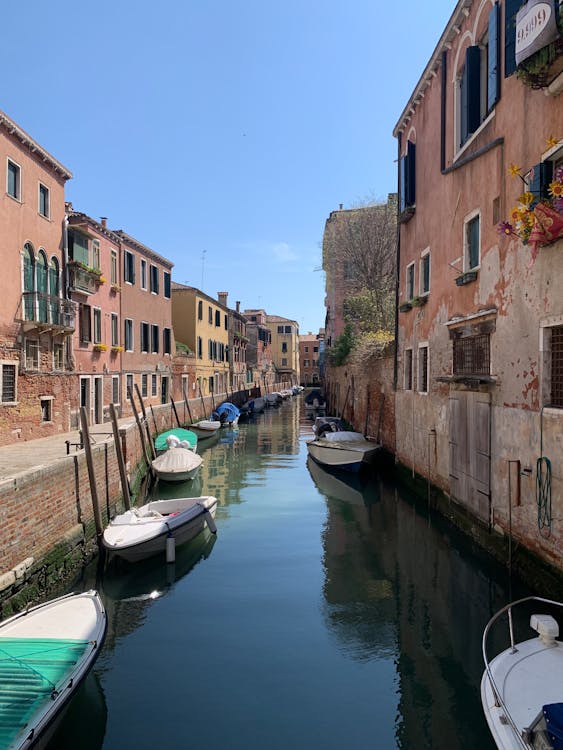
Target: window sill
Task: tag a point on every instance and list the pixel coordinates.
(467, 379)
(407, 214)
(463, 148)
(466, 278)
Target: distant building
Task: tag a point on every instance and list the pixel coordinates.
(285, 348)
(202, 324)
(260, 366)
(310, 358)
(237, 347)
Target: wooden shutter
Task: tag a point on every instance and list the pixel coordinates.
(411, 174)
(493, 72)
(402, 181)
(473, 83)
(510, 10)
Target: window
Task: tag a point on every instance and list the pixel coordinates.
(13, 180)
(472, 243)
(145, 333)
(114, 330)
(129, 384)
(115, 390)
(210, 316)
(113, 268)
(408, 370)
(96, 254)
(143, 265)
(200, 310)
(479, 82)
(280, 329)
(288, 329)
(284, 362)
(167, 284)
(155, 339)
(128, 335)
(97, 325)
(306, 349)
(315, 349)
(226, 322)
(425, 273)
(199, 347)
(44, 208)
(305, 363)
(154, 385)
(166, 340)
(8, 382)
(217, 318)
(407, 178)
(472, 355)
(78, 247)
(284, 347)
(144, 385)
(154, 279)
(410, 281)
(423, 368)
(58, 356)
(31, 354)
(85, 323)
(47, 409)
(553, 366)
(129, 267)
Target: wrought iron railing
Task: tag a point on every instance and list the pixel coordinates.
(38, 307)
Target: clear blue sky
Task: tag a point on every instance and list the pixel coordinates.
(233, 128)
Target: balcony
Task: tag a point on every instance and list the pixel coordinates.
(44, 312)
(82, 279)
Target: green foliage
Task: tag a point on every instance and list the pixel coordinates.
(372, 310)
(342, 346)
(182, 348)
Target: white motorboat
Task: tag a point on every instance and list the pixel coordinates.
(522, 687)
(142, 532)
(321, 425)
(205, 428)
(343, 450)
(45, 653)
(178, 464)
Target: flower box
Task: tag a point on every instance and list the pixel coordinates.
(116, 349)
(405, 306)
(115, 288)
(100, 347)
(419, 301)
(466, 278)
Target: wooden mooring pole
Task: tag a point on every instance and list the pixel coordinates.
(141, 432)
(186, 401)
(145, 421)
(120, 459)
(91, 474)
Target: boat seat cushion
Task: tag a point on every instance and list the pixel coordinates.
(553, 713)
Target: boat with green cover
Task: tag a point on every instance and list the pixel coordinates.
(180, 433)
(45, 653)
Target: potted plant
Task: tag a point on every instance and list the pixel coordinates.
(100, 347)
(466, 278)
(404, 306)
(419, 301)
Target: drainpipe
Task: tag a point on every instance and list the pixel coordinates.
(397, 269)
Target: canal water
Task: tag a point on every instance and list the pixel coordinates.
(325, 614)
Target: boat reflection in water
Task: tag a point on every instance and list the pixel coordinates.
(348, 487)
(152, 578)
(88, 706)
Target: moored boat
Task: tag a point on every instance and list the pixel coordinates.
(343, 450)
(227, 413)
(521, 688)
(178, 464)
(205, 428)
(45, 653)
(181, 433)
(142, 532)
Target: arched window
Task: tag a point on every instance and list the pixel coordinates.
(41, 279)
(54, 289)
(29, 281)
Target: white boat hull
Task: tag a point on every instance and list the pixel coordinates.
(343, 454)
(177, 465)
(141, 533)
(75, 617)
(206, 428)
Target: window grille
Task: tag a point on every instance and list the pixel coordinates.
(472, 355)
(557, 366)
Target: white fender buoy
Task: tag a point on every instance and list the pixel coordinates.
(170, 549)
(210, 522)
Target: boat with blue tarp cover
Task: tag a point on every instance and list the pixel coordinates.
(226, 413)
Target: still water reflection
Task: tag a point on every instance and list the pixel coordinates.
(327, 613)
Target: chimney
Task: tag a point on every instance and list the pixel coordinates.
(237, 305)
(104, 220)
(222, 297)
(340, 206)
